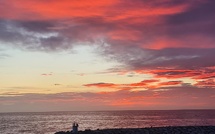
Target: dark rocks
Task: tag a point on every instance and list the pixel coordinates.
(62, 132)
(152, 130)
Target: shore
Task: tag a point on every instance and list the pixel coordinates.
(152, 130)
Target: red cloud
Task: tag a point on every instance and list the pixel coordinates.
(201, 75)
(143, 84)
(55, 9)
(206, 83)
(143, 24)
(173, 98)
(170, 83)
(126, 29)
(101, 85)
(174, 73)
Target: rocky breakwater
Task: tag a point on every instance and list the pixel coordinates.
(152, 130)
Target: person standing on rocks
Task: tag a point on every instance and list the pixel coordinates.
(75, 128)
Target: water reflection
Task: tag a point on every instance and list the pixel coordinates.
(50, 122)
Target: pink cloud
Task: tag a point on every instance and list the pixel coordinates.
(146, 84)
(165, 39)
(209, 83)
(100, 85)
(173, 98)
(67, 9)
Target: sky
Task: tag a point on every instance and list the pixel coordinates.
(80, 55)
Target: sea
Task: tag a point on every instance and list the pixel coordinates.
(51, 122)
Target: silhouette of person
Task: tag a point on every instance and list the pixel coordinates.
(75, 128)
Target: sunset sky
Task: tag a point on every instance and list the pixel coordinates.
(60, 55)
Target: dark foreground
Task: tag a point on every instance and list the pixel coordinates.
(153, 130)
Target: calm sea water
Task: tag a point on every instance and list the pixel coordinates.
(51, 122)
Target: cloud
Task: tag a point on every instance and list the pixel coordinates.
(142, 84)
(197, 16)
(171, 83)
(66, 9)
(170, 98)
(30, 36)
(170, 63)
(166, 39)
(142, 24)
(174, 73)
(145, 84)
(46, 74)
(56, 84)
(196, 74)
(101, 85)
(142, 36)
(209, 83)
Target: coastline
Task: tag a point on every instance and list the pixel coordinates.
(151, 130)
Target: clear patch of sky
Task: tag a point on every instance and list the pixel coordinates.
(32, 71)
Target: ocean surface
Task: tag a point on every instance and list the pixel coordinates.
(51, 122)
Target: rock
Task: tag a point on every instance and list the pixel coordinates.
(154, 130)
